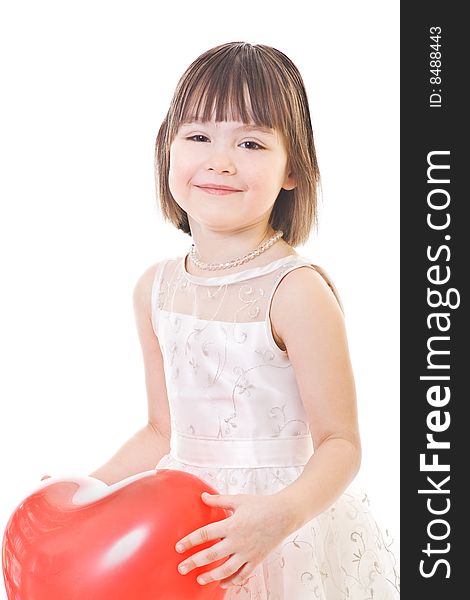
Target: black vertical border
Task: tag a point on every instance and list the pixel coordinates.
(425, 129)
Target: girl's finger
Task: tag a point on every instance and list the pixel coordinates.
(205, 557)
(202, 535)
(229, 567)
(223, 500)
(240, 577)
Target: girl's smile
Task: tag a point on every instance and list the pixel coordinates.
(217, 190)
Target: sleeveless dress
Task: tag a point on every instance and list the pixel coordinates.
(239, 424)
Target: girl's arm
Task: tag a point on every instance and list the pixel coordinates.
(140, 453)
(315, 338)
(143, 451)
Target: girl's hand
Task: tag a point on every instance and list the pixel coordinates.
(257, 525)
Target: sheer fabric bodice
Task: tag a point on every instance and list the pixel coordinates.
(219, 352)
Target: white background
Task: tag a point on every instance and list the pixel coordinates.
(85, 88)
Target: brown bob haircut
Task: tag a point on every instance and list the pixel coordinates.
(219, 83)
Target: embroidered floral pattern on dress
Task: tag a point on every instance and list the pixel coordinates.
(234, 401)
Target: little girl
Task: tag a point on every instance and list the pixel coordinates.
(248, 374)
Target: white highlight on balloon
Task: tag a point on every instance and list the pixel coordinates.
(124, 548)
(91, 489)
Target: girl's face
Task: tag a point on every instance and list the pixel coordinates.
(227, 175)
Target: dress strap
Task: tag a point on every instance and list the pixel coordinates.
(156, 292)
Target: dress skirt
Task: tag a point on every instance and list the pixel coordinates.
(339, 555)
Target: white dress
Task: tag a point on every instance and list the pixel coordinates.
(239, 424)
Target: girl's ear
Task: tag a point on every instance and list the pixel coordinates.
(289, 182)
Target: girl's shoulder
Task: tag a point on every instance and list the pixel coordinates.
(153, 272)
(163, 266)
(148, 281)
(303, 278)
(305, 300)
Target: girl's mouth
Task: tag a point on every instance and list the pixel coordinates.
(217, 190)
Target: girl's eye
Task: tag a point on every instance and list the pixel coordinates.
(250, 145)
(195, 137)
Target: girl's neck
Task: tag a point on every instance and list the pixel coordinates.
(216, 247)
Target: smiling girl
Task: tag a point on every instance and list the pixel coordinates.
(250, 384)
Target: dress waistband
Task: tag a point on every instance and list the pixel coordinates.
(242, 453)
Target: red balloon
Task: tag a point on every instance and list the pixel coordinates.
(79, 539)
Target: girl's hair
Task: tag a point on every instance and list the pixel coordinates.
(252, 84)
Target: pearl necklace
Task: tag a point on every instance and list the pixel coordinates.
(236, 261)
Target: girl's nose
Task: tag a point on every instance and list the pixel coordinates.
(220, 161)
